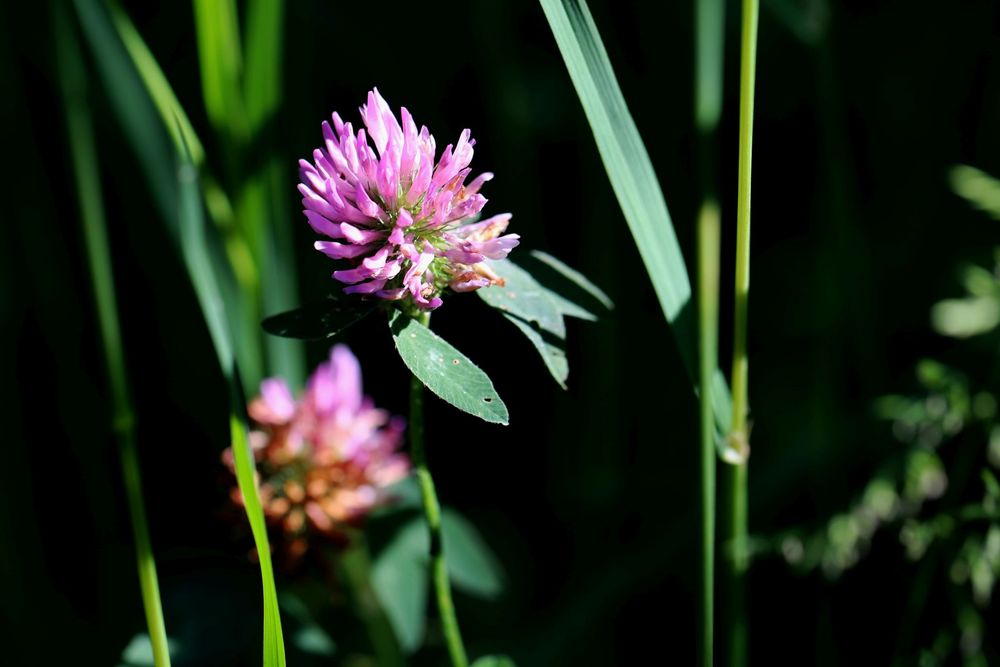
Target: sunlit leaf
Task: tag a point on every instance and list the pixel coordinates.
(978, 187)
(494, 661)
(320, 319)
(524, 297)
(446, 371)
(962, 318)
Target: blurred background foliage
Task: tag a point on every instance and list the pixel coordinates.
(588, 497)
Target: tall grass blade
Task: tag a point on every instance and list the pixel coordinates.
(266, 189)
(73, 83)
(133, 107)
(219, 56)
(171, 112)
(200, 267)
(632, 178)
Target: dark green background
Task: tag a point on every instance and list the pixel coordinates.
(589, 496)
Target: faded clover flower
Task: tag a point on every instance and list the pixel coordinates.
(405, 227)
(325, 460)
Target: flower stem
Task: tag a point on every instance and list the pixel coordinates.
(432, 512)
(84, 156)
(739, 436)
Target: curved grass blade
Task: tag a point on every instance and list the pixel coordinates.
(206, 286)
(171, 111)
(631, 175)
(320, 319)
(86, 170)
(446, 371)
(132, 105)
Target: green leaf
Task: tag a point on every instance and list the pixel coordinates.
(446, 371)
(631, 174)
(978, 188)
(571, 275)
(494, 661)
(962, 318)
(400, 574)
(320, 319)
(549, 348)
(524, 297)
(471, 564)
(314, 640)
(400, 581)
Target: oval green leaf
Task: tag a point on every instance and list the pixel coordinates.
(446, 371)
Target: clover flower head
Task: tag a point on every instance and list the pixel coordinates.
(405, 227)
(326, 459)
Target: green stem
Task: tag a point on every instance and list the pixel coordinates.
(709, 52)
(432, 512)
(739, 435)
(355, 566)
(86, 172)
(708, 315)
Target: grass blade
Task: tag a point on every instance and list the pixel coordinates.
(132, 105)
(83, 151)
(200, 268)
(171, 112)
(631, 174)
(219, 55)
(262, 89)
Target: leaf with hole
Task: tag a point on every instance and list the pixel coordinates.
(446, 371)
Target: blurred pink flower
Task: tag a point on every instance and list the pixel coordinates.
(325, 460)
(405, 226)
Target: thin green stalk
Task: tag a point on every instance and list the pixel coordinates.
(432, 511)
(86, 172)
(355, 567)
(709, 52)
(708, 316)
(739, 435)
